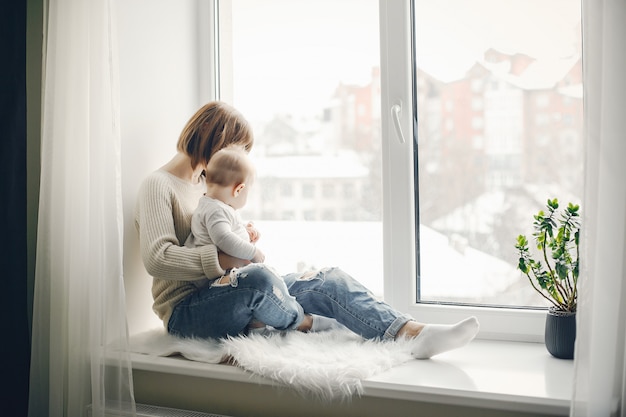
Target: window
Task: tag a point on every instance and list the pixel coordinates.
(286, 189)
(349, 190)
(328, 190)
(308, 190)
(470, 202)
(477, 123)
(329, 107)
(477, 103)
(306, 75)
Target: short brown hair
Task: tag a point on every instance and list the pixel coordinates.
(229, 166)
(213, 127)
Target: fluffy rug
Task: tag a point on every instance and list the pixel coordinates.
(328, 365)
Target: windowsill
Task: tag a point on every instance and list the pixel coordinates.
(507, 376)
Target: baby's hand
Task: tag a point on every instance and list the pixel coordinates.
(253, 233)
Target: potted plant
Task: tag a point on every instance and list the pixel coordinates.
(554, 273)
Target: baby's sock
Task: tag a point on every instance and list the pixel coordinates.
(439, 338)
(321, 323)
(264, 331)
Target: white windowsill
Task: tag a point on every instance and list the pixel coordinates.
(508, 376)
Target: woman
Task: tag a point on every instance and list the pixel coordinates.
(241, 294)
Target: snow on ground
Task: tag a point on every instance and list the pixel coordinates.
(449, 270)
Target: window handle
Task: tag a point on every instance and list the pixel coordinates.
(396, 109)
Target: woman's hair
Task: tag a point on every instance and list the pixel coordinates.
(228, 166)
(214, 126)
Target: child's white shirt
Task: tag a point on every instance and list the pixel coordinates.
(217, 223)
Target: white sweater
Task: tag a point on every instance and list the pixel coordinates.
(165, 204)
(216, 223)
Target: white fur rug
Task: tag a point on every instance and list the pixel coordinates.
(328, 365)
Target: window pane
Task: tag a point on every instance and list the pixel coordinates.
(305, 74)
(499, 109)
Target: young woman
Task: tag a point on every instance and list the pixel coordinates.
(166, 201)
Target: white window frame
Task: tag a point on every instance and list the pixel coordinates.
(399, 220)
(209, 51)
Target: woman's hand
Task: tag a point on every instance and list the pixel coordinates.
(229, 262)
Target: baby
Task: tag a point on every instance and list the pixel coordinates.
(229, 176)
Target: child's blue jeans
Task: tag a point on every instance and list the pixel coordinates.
(256, 292)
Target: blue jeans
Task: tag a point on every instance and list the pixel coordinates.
(256, 292)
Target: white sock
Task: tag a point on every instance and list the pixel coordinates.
(258, 330)
(264, 331)
(439, 338)
(321, 323)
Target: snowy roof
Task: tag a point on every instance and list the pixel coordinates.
(539, 75)
(339, 165)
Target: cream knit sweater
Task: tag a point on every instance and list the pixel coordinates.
(165, 204)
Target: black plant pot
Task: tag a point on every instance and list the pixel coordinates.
(560, 333)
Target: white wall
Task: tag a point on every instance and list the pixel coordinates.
(159, 79)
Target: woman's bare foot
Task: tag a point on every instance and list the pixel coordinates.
(306, 324)
(410, 330)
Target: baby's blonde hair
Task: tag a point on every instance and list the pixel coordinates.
(228, 166)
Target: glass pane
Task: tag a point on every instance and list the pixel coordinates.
(500, 114)
(306, 75)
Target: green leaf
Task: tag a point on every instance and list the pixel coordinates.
(553, 204)
(557, 237)
(523, 266)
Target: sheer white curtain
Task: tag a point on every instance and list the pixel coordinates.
(599, 359)
(79, 355)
